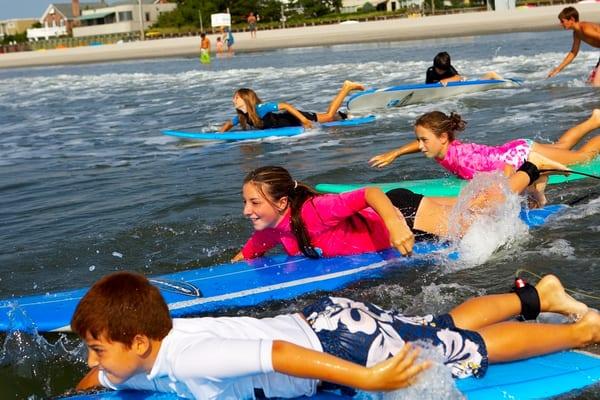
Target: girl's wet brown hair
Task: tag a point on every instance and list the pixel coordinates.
(274, 183)
(440, 123)
(120, 306)
(251, 99)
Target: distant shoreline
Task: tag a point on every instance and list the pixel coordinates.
(453, 25)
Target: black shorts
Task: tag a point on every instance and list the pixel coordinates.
(283, 119)
(408, 203)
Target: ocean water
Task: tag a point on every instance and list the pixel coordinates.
(89, 185)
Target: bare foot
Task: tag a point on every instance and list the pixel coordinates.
(492, 75)
(591, 325)
(553, 298)
(544, 162)
(353, 85)
(595, 118)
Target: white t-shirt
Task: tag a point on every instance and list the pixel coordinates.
(225, 358)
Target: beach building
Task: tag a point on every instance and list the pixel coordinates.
(350, 6)
(59, 19)
(120, 17)
(11, 27)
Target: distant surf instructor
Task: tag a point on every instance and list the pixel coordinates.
(582, 31)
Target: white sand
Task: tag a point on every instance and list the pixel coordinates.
(531, 19)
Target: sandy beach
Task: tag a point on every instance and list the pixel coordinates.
(467, 24)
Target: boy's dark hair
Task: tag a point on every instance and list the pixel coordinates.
(203, 35)
(569, 13)
(442, 61)
(120, 306)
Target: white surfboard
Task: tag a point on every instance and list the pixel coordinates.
(398, 96)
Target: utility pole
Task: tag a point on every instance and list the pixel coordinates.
(142, 34)
(200, 15)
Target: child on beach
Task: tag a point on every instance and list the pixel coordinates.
(219, 46)
(436, 132)
(587, 32)
(204, 49)
(134, 344)
(252, 112)
(287, 212)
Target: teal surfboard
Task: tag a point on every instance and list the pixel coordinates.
(449, 186)
(535, 378)
(264, 133)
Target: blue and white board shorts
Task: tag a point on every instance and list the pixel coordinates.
(367, 334)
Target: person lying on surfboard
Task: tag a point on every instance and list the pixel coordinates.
(287, 212)
(443, 72)
(587, 32)
(253, 113)
(436, 138)
(336, 342)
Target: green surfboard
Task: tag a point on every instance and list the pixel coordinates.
(449, 186)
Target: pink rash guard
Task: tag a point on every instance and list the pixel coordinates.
(466, 159)
(333, 224)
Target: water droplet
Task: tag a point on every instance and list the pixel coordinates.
(92, 267)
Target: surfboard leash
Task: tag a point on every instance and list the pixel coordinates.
(577, 292)
(568, 171)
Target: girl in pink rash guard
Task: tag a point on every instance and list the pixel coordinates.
(436, 132)
(288, 213)
(284, 211)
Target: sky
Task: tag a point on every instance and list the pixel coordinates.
(25, 8)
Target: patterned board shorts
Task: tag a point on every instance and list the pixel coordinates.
(366, 334)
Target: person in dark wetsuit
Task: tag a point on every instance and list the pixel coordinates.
(442, 70)
(253, 113)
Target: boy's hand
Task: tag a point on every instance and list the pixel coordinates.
(553, 73)
(397, 372)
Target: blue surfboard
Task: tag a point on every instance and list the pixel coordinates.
(236, 285)
(403, 95)
(264, 133)
(535, 378)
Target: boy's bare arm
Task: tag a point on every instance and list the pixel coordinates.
(569, 57)
(397, 372)
(89, 381)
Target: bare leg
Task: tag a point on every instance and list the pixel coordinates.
(509, 341)
(573, 135)
(337, 101)
(480, 312)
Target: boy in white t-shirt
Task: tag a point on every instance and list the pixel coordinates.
(133, 343)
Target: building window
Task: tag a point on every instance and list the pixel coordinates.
(147, 17)
(125, 16)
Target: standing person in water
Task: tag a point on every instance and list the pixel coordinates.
(252, 112)
(436, 138)
(286, 212)
(587, 32)
(134, 344)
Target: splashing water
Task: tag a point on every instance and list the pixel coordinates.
(485, 218)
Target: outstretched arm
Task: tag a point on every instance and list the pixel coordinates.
(89, 381)
(226, 126)
(387, 158)
(454, 78)
(397, 372)
(292, 110)
(401, 237)
(569, 57)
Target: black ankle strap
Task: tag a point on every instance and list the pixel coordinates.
(531, 170)
(530, 300)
